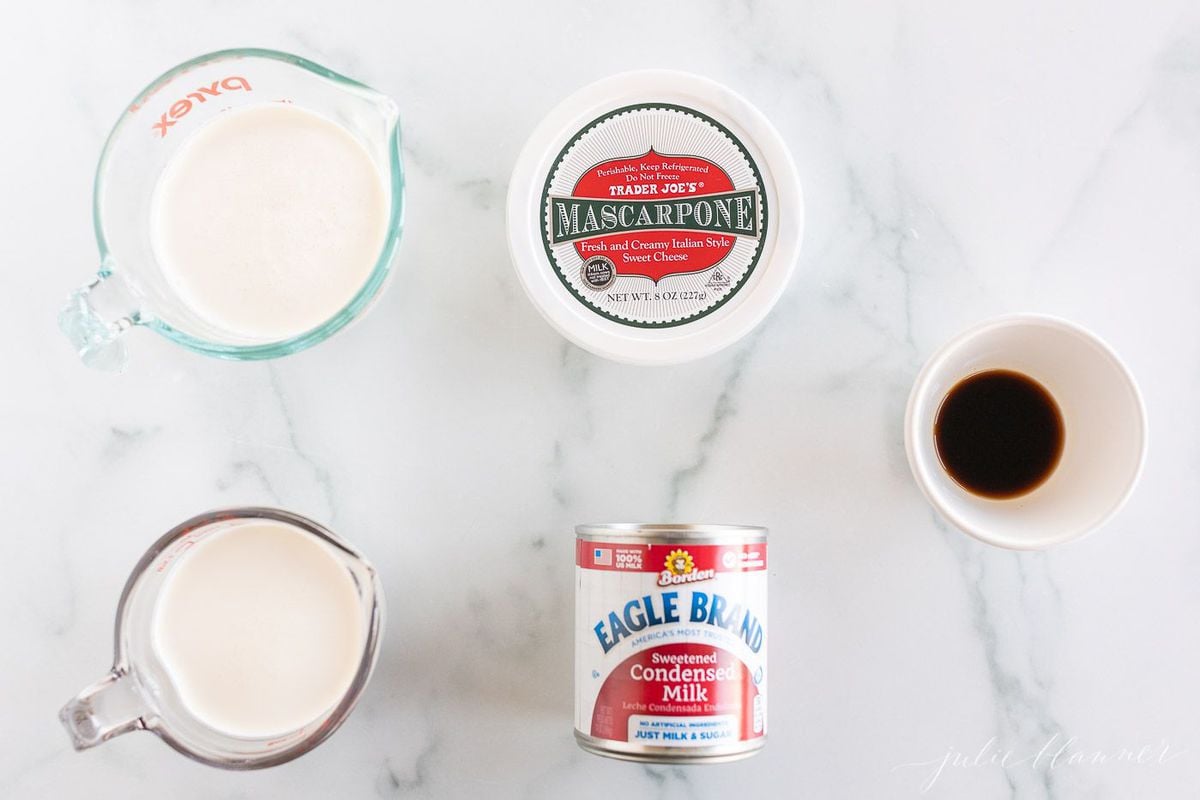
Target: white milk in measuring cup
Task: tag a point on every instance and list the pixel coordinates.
(244, 639)
(247, 205)
(268, 220)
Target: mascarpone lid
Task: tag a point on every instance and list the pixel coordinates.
(655, 217)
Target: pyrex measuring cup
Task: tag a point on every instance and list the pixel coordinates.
(138, 692)
(130, 288)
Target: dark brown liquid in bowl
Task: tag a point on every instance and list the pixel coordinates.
(999, 434)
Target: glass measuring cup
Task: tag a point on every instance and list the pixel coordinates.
(138, 692)
(130, 288)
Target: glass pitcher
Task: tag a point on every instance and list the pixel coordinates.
(138, 692)
(130, 288)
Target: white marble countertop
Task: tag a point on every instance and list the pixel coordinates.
(957, 163)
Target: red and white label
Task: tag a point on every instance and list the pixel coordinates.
(655, 254)
(653, 215)
(670, 644)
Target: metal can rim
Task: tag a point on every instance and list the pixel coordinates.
(672, 531)
(678, 756)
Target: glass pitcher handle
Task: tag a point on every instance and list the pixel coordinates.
(94, 338)
(108, 708)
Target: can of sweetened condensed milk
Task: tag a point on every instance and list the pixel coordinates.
(671, 641)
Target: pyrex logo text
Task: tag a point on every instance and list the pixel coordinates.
(180, 108)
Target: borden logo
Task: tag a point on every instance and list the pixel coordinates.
(681, 568)
(182, 107)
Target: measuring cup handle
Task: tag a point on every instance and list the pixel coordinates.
(110, 707)
(94, 339)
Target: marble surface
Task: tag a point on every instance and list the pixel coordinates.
(959, 160)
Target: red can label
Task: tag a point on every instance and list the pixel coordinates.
(671, 643)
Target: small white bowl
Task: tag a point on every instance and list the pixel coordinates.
(1103, 416)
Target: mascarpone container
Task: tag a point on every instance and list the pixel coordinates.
(655, 217)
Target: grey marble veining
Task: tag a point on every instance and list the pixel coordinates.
(958, 161)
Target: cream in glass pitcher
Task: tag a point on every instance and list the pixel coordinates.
(244, 638)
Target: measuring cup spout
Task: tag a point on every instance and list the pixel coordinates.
(95, 339)
(110, 707)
